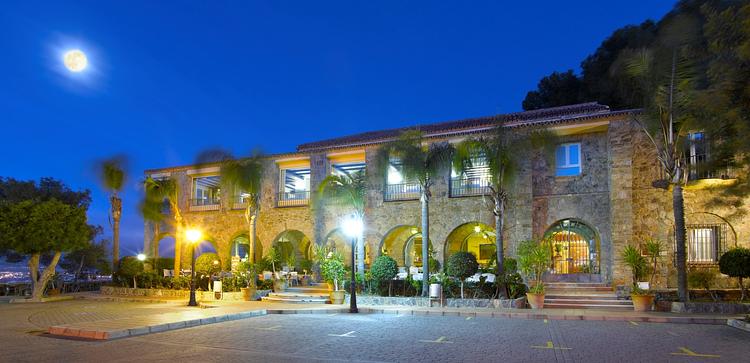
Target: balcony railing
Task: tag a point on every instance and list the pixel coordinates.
(240, 201)
(293, 199)
(406, 191)
(201, 204)
(465, 187)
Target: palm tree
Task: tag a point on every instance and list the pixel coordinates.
(348, 191)
(112, 176)
(157, 192)
(245, 176)
(503, 152)
(665, 75)
(422, 164)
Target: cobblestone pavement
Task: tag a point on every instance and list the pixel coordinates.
(366, 337)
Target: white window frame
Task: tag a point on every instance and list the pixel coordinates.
(567, 165)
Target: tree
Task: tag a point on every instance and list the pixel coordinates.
(736, 263)
(94, 256)
(112, 175)
(384, 269)
(503, 152)
(44, 218)
(557, 89)
(421, 163)
(462, 265)
(244, 176)
(348, 191)
(207, 264)
(130, 267)
(159, 191)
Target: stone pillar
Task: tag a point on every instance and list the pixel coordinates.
(620, 140)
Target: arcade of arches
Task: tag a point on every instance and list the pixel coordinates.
(404, 244)
(293, 242)
(475, 237)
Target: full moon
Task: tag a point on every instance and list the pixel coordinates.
(75, 60)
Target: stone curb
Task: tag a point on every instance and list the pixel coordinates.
(43, 300)
(739, 324)
(70, 330)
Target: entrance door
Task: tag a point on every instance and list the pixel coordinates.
(575, 247)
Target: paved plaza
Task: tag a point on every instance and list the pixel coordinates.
(363, 337)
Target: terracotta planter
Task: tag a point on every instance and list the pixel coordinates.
(337, 297)
(535, 300)
(642, 302)
(248, 293)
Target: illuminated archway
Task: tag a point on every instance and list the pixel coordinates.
(575, 247)
(239, 250)
(292, 241)
(403, 244)
(474, 237)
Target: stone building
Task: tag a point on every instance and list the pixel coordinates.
(592, 198)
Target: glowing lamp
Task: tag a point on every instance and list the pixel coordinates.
(193, 235)
(352, 226)
(141, 257)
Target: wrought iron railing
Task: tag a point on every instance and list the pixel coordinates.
(704, 243)
(240, 201)
(293, 199)
(405, 191)
(465, 187)
(203, 204)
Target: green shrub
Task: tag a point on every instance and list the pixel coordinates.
(163, 263)
(434, 265)
(333, 271)
(534, 258)
(305, 265)
(736, 263)
(703, 278)
(462, 265)
(638, 265)
(383, 269)
(207, 264)
(128, 269)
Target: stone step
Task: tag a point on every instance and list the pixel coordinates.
(587, 302)
(581, 288)
(307, 290)
(298, 300)
(587, 306)
(576, 284)
(294, 295)
(582, 297)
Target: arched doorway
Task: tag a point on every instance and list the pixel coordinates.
(474, 237)
(404, 244)
(293, 242)
(239, 250)
(575, 247)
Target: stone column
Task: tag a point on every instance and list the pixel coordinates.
(620, 157)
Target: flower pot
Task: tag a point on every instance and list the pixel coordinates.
(279, 285)
(642, 302)
(248, 293)
(337, 297)
(535, 300)
(330, 286)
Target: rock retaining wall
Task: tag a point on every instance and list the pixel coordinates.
(174, 294)
(452, 303)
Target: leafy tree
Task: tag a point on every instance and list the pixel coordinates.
(44, 218)
(504, 152)
(207, 264)
(348, 191)
(130, 267)
(244, 176)
(157, 192)
(112, 175)
(94, 256)
(384, 268)
(557, 89)
(736, 263)
(462, 265)
(421, 163)
(333, 271)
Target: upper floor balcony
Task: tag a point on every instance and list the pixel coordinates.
(204, 204)
(402, 191)
(467, 187)
(293, 198)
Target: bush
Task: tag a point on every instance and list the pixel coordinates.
(638, 265)
(333, 271)
(207, 264)
(129, 268)
(462, 265)
(736, 263)
(163, 263)
(434, 265)
(533, 259)
(383, 269)
(514, 286)
(702, 278)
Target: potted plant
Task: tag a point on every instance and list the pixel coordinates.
(249, 270)
(654, 249)
(632, 257)
(332, 270)
(462, 265)
(533, 259)
(279, 284)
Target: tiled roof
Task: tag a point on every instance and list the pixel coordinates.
(535, 117)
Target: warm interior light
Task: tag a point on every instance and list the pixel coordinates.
(193, 235)
(477, 229)
(414, 230)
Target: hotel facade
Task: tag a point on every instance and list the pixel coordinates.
(592, 198)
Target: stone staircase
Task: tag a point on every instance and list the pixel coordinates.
(313, 294)
(583, 295)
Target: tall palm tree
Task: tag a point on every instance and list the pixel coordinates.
(157, 192)
(244, 176)
(665, 75)
(348, 191)
(503, 152)
(112, 175)
(420, 163)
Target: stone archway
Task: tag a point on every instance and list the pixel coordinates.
(474, 237)
(575, 247)
(239, 249)
(292, 241)
(404, 244)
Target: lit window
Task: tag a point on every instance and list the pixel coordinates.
(704, 243)
(568, 159)
(294, 186)
(206, 191)
(474, 180)
(347, 168)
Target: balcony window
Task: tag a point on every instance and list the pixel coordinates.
(699, 159)
(294, 187)
(474, 180)
(568, 159)
(396, 187)
(206, 194)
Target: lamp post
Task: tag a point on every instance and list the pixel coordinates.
(193, 236)
(352, 227)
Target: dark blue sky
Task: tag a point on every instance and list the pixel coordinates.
(168, 79)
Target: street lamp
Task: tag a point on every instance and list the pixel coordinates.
(141, 257)
(352, 227)
(193, 236)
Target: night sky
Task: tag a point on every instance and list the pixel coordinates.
(169, 79)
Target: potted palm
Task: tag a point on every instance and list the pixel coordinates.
(632, 257)
(333, 272)
(248, 269)
(533, 259)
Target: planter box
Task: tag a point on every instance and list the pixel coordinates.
(453, 303)
(173, 294)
